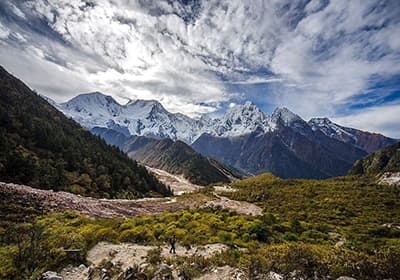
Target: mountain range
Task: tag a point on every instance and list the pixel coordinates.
(245, 137)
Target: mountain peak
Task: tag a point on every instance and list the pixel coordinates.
(284, 115)
(245, 108)
(93, 98)
(143, 102)
(249, 104)
(150, 118)
(242, 119)
(140, 108)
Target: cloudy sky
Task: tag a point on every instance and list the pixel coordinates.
(338, 58)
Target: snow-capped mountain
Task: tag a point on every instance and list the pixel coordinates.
(244, 137)
(331, 129)
(285, 117)
(364, 140)
(149, 118)
(138, 117)
(240, 120)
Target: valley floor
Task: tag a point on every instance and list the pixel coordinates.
(124, 208)
(178, 184)
(259, 227)
(88, 206)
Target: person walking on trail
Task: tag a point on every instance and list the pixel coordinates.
(172, 242)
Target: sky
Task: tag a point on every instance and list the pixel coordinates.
(319, 58)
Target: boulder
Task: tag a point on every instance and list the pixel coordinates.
(50, 275)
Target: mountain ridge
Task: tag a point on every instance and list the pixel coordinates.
(175, 157)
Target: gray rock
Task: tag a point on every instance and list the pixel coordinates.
(133, 273)
(345, 278)
(274, 276)
(90, 272)
(163, 272)
(105, 275)
(50, 275)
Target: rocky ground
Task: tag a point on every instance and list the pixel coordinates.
(225, 272)
(177, 183)
(91, 207)
(241, 207)
(125, 255)
(110, 208)
(390, 178)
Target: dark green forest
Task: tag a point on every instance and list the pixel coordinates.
(178, 158)
(42, 148)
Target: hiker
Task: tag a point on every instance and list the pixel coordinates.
(172, 242)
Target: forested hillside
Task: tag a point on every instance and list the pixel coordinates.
(384, 160)
(175, 157)
(40, 147)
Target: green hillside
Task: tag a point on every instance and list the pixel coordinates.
(40, 147)
(384, 160)
(178, 158)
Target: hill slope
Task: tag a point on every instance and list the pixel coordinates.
(172, 156)
(40, 147)
(384, 160)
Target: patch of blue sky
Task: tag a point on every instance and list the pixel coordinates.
(380, 92)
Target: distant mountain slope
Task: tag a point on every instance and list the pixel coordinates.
(173, 156)
(285, 152)
(384, 160)
(111, 136)
(40, 147)
(294, 148)
(367, 141)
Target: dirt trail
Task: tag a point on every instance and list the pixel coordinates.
(128, 255)
(177, 183)
(180, 186)
(241, 207)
